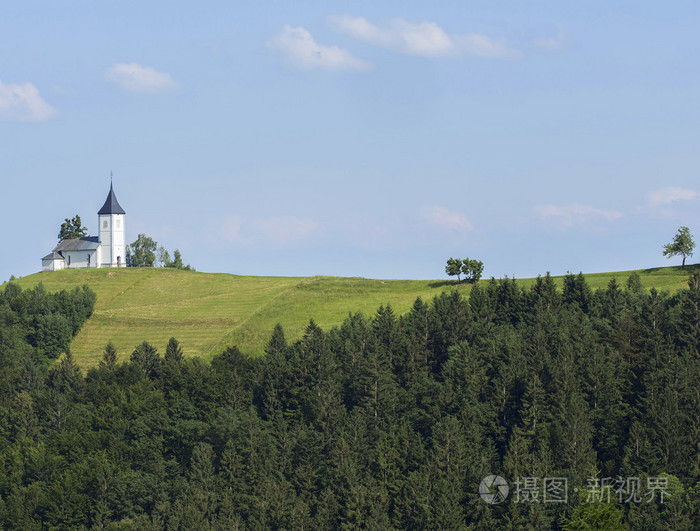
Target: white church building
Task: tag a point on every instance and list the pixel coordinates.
(104, 250)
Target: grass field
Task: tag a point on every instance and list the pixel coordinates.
(207, 312)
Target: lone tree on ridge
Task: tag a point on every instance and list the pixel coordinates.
(682, 244)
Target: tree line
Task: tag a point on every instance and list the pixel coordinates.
(145, 252)
(387, 421)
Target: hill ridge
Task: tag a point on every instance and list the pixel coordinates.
(208, 312)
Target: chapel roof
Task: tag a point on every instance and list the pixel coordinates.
(53, 255)
(86, 243)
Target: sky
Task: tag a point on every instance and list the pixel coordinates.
(372, 139)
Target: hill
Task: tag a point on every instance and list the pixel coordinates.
(208, 312)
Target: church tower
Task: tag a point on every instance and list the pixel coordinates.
(111, 236)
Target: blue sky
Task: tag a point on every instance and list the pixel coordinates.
(371, 139)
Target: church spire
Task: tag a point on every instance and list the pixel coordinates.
(111, 205)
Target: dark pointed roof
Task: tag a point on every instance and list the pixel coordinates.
(111, 205)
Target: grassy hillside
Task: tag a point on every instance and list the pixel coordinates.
(207, 312)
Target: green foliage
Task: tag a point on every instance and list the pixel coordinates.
(45, 322)
(471, 269)
(596, 516)
(454, 267)
(163, 256)
(387, 421)
(176, 262)
(682, 244)
(146, 357)
(173, 352)
(72, 228)
(142, 252)
(109, 358)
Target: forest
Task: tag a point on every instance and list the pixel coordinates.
(385, 422)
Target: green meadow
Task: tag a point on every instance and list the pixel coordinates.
(208, 312)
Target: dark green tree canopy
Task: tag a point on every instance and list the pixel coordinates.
(146, 357)
(142, 252)
(72, 228)
(682, 244)
(174, 352)
(390, 421)
(454, 267)
(176, 262)
(471, 269)
(109, 357)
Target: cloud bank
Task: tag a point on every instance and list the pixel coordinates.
(134, 77)
(22, 103)
(303, 52)
(425, 39)
(671, 194)
(446, 218)
(566, 216)
(553, 43)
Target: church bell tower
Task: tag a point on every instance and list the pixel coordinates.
(111, 235)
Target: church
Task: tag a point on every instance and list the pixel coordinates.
(104, 250)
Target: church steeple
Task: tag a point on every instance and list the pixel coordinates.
(111, 205)
(111, 237)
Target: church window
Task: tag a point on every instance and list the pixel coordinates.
(68, 259)
(104, 224)
(119, 222)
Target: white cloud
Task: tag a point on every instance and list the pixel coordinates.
(671, 194)
(568, 215)
(22, 103)
(302, 51)
(444, 217)
(136, 78)
(553, 43)
(230, 229)
(426, 39)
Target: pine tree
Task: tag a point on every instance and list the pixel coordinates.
(66, 375)
(277, 343)
(109, 358)
(577, 291)
(689, 322)
(146, 357)
(572, 428)
(412, 358)
(173, 352)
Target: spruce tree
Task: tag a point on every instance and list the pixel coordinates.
(109, 357)
(174, 352)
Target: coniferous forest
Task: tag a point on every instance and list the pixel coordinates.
(387, 422)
